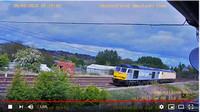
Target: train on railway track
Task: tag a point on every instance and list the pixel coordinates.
(128, 75)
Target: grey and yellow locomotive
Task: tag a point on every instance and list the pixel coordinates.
(139, 75)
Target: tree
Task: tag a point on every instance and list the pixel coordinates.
(104, 95)
(193, 73)
(66, 57)
(107, 57)
(14, 92)
(48, 58)
(51, 86)
(186, 72)
(4, 61)
(179, 69)
(29, 59)
(152, 62)
(54, 86)
(80, 63)
(12, 48)
(127, 61)
(91, 61)
(92, 93)
(73, 58)
(18, 90)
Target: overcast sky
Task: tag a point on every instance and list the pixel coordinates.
(171, 44)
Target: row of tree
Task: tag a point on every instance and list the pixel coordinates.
(183, 71)
(30, 58)
(16, 48)
(26, 55)
(53, 86)
(110, 57)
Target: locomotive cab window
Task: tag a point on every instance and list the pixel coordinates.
(118, 69)
(123, 70)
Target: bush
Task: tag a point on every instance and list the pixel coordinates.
(92, 93)
(104, 95)
(4, 61)
(18, 90)
(54, 86)
(51, 86)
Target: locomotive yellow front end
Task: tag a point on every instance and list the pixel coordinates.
(120, 75)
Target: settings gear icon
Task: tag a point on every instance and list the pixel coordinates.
(161, 106)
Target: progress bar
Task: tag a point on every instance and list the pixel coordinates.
(89, 101)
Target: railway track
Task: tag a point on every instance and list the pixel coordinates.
(101, 82)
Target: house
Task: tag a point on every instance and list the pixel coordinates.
(185, 69)
(43, 67)
(99, 69)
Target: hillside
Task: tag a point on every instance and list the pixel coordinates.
(12, 48)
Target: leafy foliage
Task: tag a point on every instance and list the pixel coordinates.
(108, 57)
(50, 86)
(54, 86)
(48, 58)
(152, 62)
(11, 48)
(15, 90)
(4, 61)
(29, 59)
(18, 90)
(183, 71)
(78, 62)
(127, 61)
(73, 58)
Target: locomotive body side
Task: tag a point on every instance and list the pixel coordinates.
(129, 75)
(167, 75)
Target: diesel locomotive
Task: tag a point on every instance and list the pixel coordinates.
(139, 75)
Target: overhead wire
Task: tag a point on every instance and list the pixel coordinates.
(45, 39)
(94, 23)
(25, 32)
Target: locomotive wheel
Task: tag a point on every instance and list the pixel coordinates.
(127, 83)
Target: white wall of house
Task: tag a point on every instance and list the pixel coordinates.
(99, 69)
(43, 67)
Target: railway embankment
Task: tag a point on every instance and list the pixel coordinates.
(83, 81)
(167, 90)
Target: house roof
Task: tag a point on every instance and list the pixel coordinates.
(103, 67)
(144, 68)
